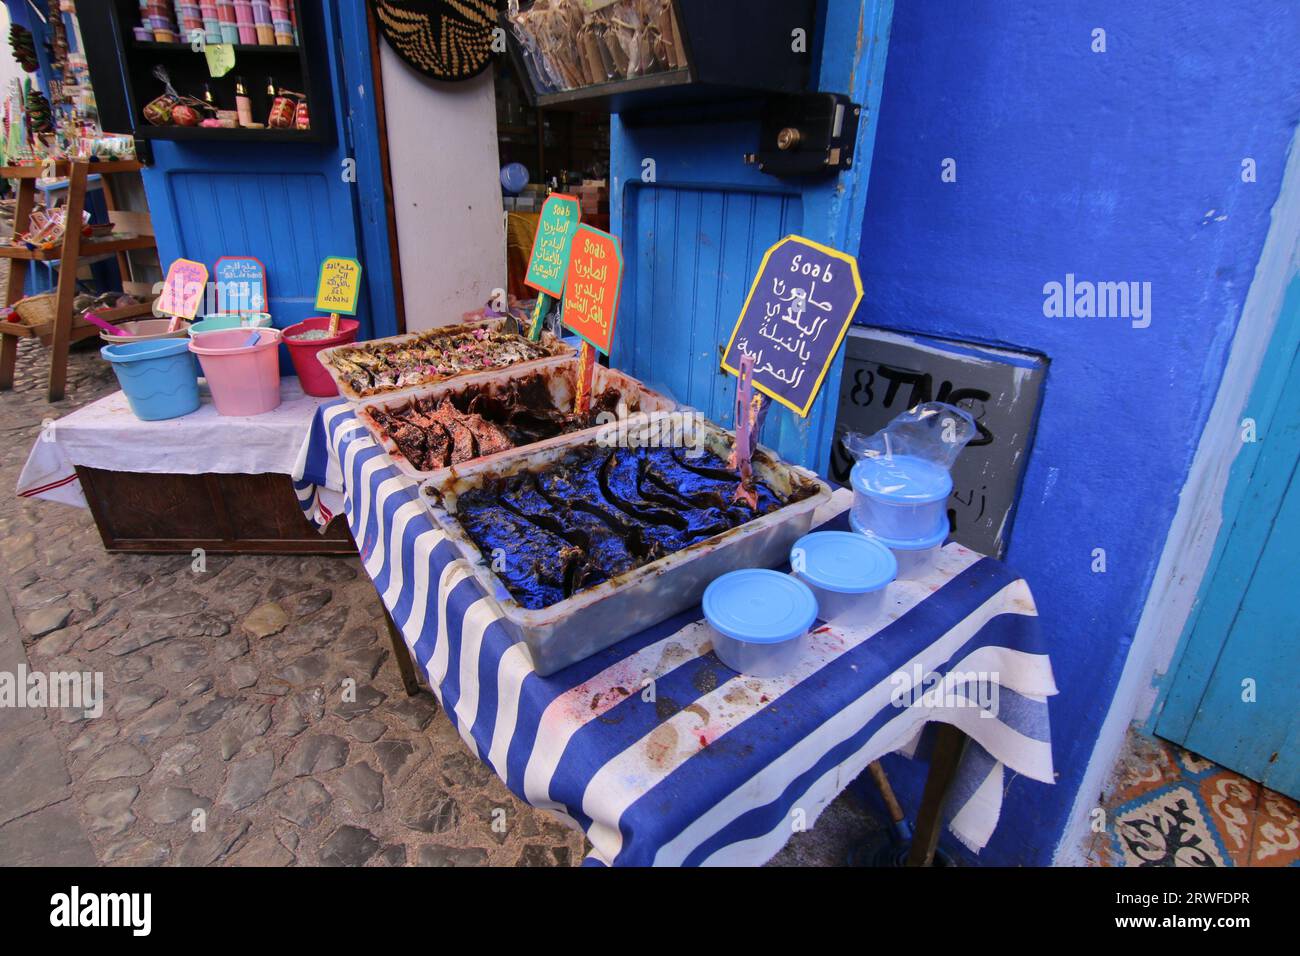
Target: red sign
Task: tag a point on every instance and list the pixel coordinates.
(591, 288)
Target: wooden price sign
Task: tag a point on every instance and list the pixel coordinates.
(182, 291)
(338, 288)
(794, 319)
(241, 284)
(549, 259)
(591, 292)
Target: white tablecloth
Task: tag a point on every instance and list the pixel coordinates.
(105, 434)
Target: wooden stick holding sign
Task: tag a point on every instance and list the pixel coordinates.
(796, 315)
(182, 291)
(549, 261)
(751, 412)
(338, 289)
(591, 291)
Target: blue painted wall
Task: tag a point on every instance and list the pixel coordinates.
(1115, 166)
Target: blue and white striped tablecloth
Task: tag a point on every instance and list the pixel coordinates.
(655, 748)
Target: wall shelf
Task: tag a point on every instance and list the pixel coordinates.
(112, 49)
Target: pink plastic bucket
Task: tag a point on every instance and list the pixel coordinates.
(244, 379)
(313, 377)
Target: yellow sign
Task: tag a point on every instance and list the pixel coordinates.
(220, 57)
(339, 286)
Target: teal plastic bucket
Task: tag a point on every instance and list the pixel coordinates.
(219, 321)
(160, 377)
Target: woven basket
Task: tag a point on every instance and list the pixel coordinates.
(37, 310)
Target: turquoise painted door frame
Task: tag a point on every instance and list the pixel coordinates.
(694, 234)
(1234, 691)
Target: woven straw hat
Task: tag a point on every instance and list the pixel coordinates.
(444, 39)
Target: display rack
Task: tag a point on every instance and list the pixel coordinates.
(730, 50)
(299, 67)
(60, 334)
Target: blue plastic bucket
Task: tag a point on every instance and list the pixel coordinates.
(160, 377)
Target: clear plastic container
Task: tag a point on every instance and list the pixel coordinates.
(760, 620)
(903, 497)
(916, 557)
(848, 574)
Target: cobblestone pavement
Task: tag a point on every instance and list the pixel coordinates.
(226, 737)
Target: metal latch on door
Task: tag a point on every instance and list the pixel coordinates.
(806, 134)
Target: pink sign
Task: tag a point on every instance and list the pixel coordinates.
(183, 289)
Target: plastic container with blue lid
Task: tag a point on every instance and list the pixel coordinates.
(760, 620)
(903, 497)
(915, 556)
(848, 574)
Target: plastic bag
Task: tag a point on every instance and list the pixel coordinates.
(933, 431)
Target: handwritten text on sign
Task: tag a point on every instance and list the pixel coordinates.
(339, 286)
(241, 284)
(592, 286)
(183, 289)
(550, 256)
(794, 319)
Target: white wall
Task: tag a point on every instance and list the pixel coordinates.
(442, 146)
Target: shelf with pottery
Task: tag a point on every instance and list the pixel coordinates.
(66, 328)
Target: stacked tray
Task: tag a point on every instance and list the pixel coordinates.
(478, 400)
(593, 618)
(381, 352)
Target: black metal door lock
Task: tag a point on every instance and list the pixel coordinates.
(806, 134)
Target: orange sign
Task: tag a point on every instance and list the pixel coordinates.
(592, 285)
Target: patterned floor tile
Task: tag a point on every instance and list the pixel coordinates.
(1277, 832)
(1232, 801)
(1166, 828)
(1166, 806)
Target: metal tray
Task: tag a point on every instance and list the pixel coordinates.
(558, 351)
(562, 374)
(592, 620)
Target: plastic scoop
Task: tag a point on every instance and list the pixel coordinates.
(108, 327)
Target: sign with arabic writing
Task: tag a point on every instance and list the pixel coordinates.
(241, 284)
(794, 319)
(339, 286)
(183, 289)
(550, 256)
(591, 288)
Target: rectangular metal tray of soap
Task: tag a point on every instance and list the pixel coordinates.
(594, 619)
(561, 375)
(556, 351)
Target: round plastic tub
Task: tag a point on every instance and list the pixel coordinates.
(903, 497)
(146, 330)
(915, 556)
(315, 380)
(159, 377)
(220, 321)
(760, 620)
(244, 379)
(848, 574)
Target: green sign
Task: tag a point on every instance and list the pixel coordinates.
(550, 258)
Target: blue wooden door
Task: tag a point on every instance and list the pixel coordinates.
(1235, 693)
(289, 204)
(696, 228)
